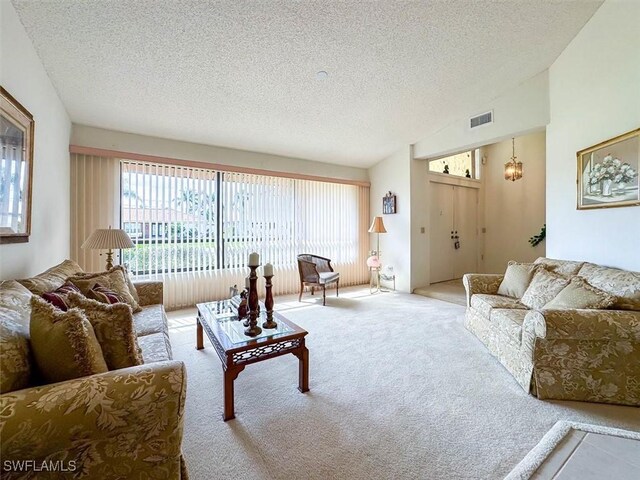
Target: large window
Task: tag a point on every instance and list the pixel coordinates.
(13, 171)
(170, 214)
(191, 219)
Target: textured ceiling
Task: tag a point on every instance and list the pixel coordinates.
(242, 73)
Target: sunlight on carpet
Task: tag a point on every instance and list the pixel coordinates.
(399, 389)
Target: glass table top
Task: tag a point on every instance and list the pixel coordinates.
(225, 314)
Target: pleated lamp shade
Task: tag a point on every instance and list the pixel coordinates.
(377, 226)
(108, 238)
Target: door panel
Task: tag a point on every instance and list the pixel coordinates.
(441, 246)
(466, 226)
(453, 212)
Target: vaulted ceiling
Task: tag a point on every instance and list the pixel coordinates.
(243, 74)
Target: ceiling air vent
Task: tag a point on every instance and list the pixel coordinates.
(482, 119)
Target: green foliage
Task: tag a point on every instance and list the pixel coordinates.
(536, 239)
(199, 203)
(149, 257)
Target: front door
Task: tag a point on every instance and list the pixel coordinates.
(454, 218)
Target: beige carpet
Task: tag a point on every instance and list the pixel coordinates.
(399, 389)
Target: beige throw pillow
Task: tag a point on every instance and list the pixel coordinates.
(114, 279)
(624, 284)
(566, 268)
(115, 331)
(15, 296)
(64, 344)
(543, 288)
(52, 278)
(516, 279)
(132, 288)
(15, 352)
(579, 294)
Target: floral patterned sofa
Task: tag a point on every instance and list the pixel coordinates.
(125, 423)
(585, 355)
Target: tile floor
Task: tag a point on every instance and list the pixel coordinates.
(592, 456)
(451, 291)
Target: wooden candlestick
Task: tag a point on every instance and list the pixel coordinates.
(268, 303)
(253, 329)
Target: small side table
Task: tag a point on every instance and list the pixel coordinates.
(375, 275)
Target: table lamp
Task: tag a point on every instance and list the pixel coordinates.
(108, 239)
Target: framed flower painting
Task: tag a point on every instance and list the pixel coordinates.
(608, 173)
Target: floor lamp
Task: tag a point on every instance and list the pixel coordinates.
(377, 227)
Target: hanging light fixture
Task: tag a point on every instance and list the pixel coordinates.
(513, 169)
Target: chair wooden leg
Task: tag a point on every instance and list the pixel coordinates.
(301, 290)
(338, 288)
(324, 295)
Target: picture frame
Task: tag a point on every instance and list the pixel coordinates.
(608, 173)
(17, 129)
(389, 204)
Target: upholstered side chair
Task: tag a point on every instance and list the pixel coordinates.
(315, 272)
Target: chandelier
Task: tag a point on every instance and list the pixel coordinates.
(513, 169)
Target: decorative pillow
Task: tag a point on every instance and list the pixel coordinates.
(132, 288)
(516, 279)
(114, 279)
(579, 294)
(543, 288)
(64, 344)
(15, 359)
(115, 331)
(16, 297)
(566, 268)
(103, 294)
(58, 298)
(52, 278)
(624, 284)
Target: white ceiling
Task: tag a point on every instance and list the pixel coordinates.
(242, 74)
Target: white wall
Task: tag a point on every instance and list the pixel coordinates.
(393, 174)
(594, 88)
(590, 94)
(521, 110)
(24, 77)
(162, 147)
(513, 211)
(404, 246)
(420, 262)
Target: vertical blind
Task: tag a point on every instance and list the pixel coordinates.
(95, 203)
(170, 214)
(193, 228)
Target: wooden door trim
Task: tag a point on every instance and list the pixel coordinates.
(454, 181)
